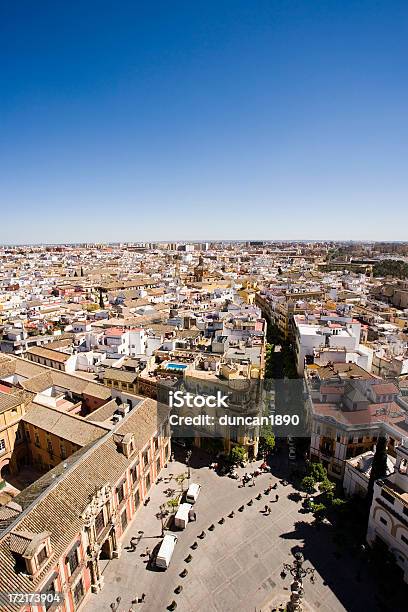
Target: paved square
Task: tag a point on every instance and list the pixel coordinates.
(237, 566)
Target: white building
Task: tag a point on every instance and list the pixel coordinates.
(336, 334)
(117, 341)
(357, 473)
(388, 522)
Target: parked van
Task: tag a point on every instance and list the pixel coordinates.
(192, 493)
(181, 518)
(166, 550)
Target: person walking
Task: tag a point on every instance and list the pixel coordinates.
(133, 544)
(147, 552)
(276, 497)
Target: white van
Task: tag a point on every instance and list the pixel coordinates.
(166, 550)
(192, 493)
(181, 518)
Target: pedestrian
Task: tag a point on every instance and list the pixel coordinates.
(243, 481)
(276, 497)
(266, 508)
(253, 482)
(143, 597)
(147, 552)
(172, 457)
(133, 544)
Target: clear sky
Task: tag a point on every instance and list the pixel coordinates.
(262, 119)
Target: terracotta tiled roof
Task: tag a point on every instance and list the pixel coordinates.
(66, 426)
(56, 504)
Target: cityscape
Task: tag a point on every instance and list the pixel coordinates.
(203, 306)
(104, 347)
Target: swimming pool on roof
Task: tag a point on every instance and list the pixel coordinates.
(176, 366)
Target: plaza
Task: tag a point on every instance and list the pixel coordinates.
(238, 564)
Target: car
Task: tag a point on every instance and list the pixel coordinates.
(292, 454)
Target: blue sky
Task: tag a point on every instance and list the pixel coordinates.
(268, 119)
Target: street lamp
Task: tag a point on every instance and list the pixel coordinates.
(188, 457)
(162, 514)
(298, 572)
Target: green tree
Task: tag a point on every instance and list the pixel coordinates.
(378, 467)
(101, 303)
(391, 267)
(266, 439)
(319, 512)
(238, 454)
(326, 486)
(339, 503)
(308, 484)
(173, 503)
(317, 471)
(180, 480)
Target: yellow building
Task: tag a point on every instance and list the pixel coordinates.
(12, 408)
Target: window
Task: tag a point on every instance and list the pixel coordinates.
(133, 472)
(49, 447)
(2, 445)
(72, 561)
(37, 439)
(137, 499)
(120, 491)
(27, 435)
(123, 520)
(383, 521)
(63, 451)
(50, 588)
(387, 496)
(78, 592)
(42, 556)
(18, 435)
(158, 465)
(99, 522)
(147, 480)
(146, 458)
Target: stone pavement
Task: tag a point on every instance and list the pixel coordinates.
(237, 566)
